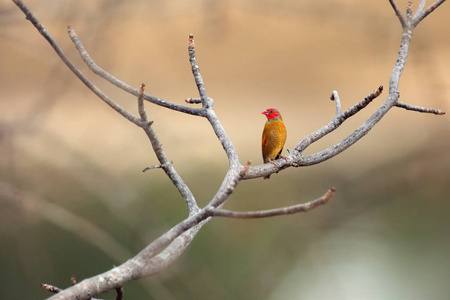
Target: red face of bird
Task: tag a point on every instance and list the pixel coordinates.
(271, 113)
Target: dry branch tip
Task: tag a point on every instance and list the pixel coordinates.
(420, 109)
(50, 288)
(191, 41)
(330, 193)
(142, 89)
(378, 91)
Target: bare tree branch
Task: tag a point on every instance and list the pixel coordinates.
(169, 246)
(420, 8)
(401, 18)
(156, 167)
(168, 167)
(217, 212)
(420, 109)
(291, 160)
(71, 66)
(120, 84)
(141, 107)
(51, 288)
(220, 198)
(207, 102)
(424, 14)
(335, 97)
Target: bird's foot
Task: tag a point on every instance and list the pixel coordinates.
(273, 162)
(283, 157)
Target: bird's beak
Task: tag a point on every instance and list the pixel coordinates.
(264, 112)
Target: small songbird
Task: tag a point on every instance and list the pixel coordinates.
(273, 137)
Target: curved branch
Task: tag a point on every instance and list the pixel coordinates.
(122, 85)
(289, 210)
(335, 97)
(71, 66)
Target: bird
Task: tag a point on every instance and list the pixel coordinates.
(273, 137)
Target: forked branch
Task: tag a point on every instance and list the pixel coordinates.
(168, 247)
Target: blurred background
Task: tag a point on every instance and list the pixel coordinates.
(74, 200)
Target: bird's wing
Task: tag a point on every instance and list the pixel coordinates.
(264, 144)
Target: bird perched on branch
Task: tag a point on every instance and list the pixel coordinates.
(273, 137)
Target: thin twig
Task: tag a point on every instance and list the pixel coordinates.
(72, 67)
(157, 166)
(176, 240)
(126, 87)
(217, 212)
(168, 168)
(141, 107)
(420, 109)
(234, 173)
(265, 169)
(426, 12)
(50, 288)
(357, 107)
(420, 8)
(398, 13)
(206, 102)
(55, 290)
(318, 134)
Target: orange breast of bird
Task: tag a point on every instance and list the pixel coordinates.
(273, 139)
